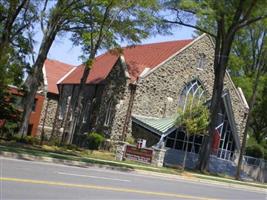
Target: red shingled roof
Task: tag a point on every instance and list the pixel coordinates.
(55, 70)
(136, 57)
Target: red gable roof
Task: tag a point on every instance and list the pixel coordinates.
(137, 58)
(54, 71)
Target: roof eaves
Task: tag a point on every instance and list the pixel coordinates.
(229, 110)
(124, 65)
(66, 75)
(159, 133)
(243, 100)
(175, 54)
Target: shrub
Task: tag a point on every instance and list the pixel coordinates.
(130, 139)
(53, 142)
(94, 140)
(9, 129)
(26, 139)
(71, 147)
(255, 150)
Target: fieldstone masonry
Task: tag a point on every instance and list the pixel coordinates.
(158, 156)
(157, 92)
(116, 90)
(120, 149)
(51, 105)
(168, 80)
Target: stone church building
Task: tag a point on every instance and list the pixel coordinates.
(139, 92)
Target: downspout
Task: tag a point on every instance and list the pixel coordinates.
(129, 110)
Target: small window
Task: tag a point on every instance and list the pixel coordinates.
(201, 61)
(108, 113)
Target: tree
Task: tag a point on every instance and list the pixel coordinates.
(250, 50)
(16, 20)
(226, 18)
(193, 120)
(259, 118)
(109, 22)
(57, 19)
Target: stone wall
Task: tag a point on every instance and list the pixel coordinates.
(50, 104)
(168, 80)
(116, 89)
(239, 109)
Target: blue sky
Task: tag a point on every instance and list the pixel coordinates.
(63, 50)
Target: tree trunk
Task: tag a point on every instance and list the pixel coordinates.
(77, 106)
(222, 51)
(128, 112)
(43, 125)
(244, 140)
(28, 102)
(185, 153)
(34, 80)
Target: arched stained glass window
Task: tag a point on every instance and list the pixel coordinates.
(192, 93)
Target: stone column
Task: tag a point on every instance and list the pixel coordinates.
(158, 156)
(120, 148)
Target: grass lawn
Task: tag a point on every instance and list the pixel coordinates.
(105, 158)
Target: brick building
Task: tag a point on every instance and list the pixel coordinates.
(17, 94)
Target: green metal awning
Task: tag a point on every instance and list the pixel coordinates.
(159, 126)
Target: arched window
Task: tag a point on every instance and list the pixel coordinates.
(108, 113)
(192, 93)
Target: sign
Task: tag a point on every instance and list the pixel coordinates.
(143, 155)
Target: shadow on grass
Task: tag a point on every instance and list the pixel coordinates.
(62, 158)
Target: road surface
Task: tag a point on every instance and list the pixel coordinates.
(36, 180)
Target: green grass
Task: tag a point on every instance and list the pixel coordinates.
(106, 158)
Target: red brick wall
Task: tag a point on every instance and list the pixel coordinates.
(36, 114)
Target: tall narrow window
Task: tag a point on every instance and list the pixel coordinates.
(192, 93)
(86, 113)
(201, 61)
(64, 107)
(108, 113)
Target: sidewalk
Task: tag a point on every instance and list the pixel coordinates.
(161, 172)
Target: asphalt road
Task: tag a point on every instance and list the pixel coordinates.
(36, 180)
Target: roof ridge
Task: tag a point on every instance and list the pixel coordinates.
(158, 43)
(54, 60)
(137, 45)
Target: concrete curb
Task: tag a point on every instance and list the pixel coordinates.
(192, 177)
(202, 180)
(60, 161)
